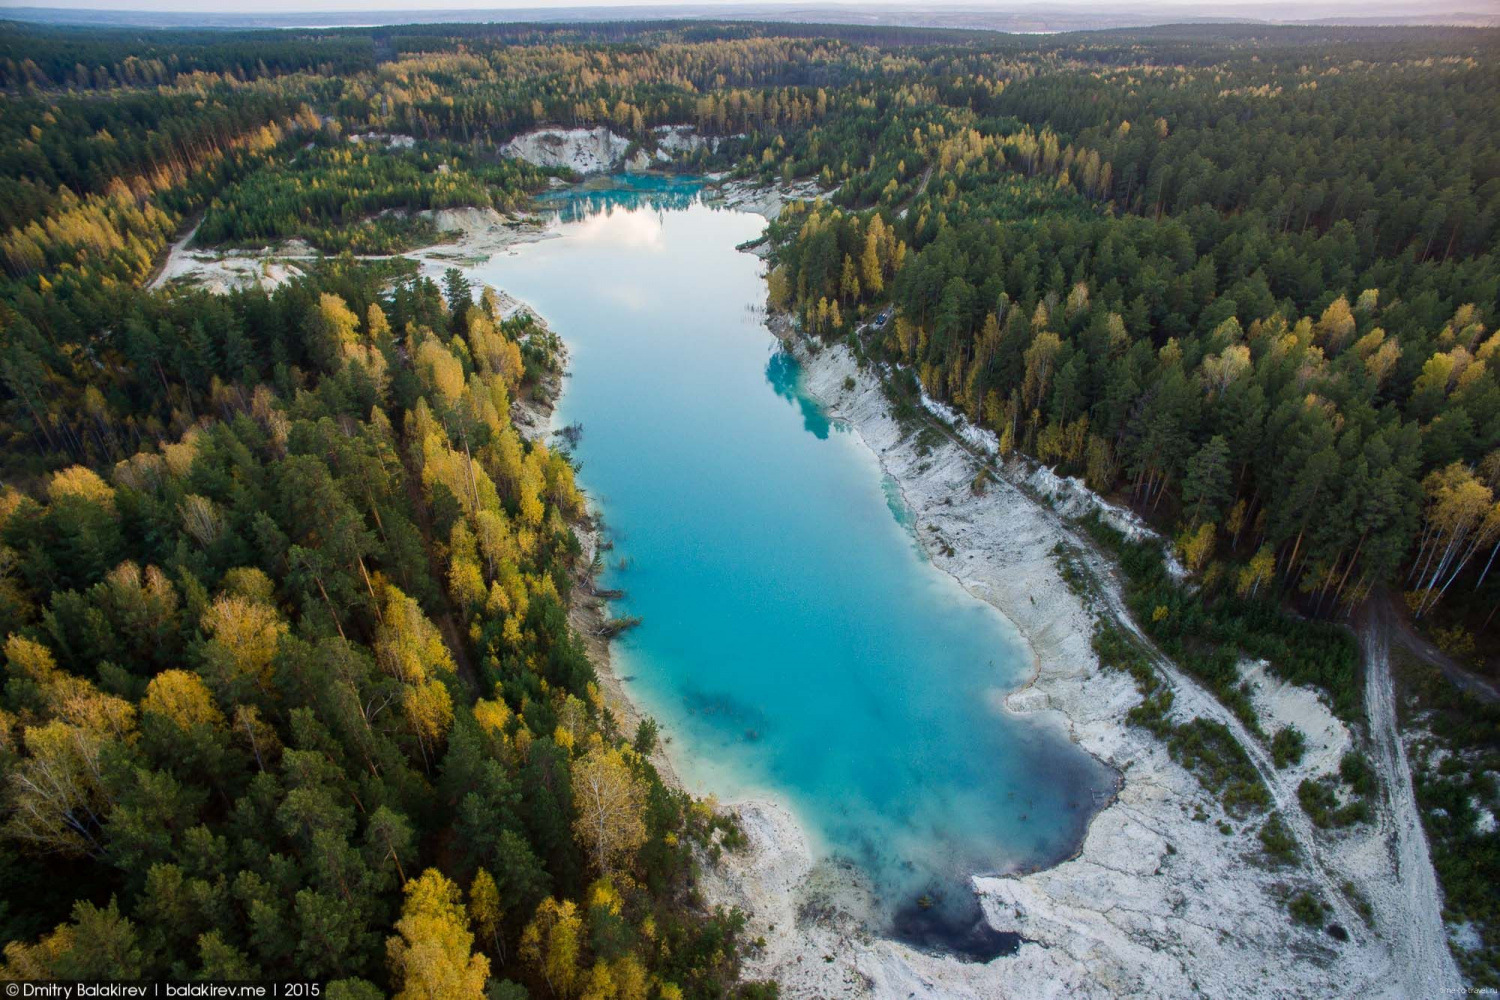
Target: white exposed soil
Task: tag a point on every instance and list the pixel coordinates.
(474, 235)
(600, 151)
(676, 140)
(223, 271)
(763, 199)
(1279, 704)
(469, 235)
(388, 139)
(582, 150)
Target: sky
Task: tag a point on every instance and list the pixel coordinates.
(309, 6)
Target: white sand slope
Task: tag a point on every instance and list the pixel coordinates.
(582, 150)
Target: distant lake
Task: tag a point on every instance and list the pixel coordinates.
(796, 642)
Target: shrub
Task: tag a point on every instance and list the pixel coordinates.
(1287, 746)
(1277, 841)
(1308, 910)
(1321, 804)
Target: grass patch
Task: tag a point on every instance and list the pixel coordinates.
(1320, 801)
(1308, 910)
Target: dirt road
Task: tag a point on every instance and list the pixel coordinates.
(1423, 960)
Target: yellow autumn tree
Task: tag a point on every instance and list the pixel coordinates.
(250, 583)
(1462, 518)
(182, 699)
(31, 660)
(431, 955)
(465, 580)
(440, 370)
(81, 483)
(1336, 325)
(243, 638)
(871, 273)
(485, 911)
(333, 329)
(58, 799)
(407, 645)
(533, 481)
(550, 944)
(41, 961)
(611, 803)
(496, 542)
(1040, 358)
(429, 713)
(1195, 547)
(492, 715)
(1257, 572)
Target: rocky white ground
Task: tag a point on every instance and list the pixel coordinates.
(582, 150)
(387, 139)
(1160, 901)
(221, 271)
(762, 199)
(1279, 705)
(469, 234)
(678, 139)
(600, 151)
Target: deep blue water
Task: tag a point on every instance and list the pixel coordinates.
(795, 640)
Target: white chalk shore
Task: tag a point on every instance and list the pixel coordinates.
(470, 235)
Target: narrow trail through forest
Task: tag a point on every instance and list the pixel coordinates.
(921, 189)
(1423, 958)
(1400, 632)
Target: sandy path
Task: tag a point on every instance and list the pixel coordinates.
(471, 234)
(1424, 961)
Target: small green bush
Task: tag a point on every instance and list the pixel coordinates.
(1287, 746)
(1308, 910)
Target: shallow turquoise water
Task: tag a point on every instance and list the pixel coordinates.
(795, 641)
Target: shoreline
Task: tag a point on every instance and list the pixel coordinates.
(534, 419)
(1015, 701)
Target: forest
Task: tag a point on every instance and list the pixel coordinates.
(289, 672)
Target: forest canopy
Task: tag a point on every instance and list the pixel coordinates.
(289, 676)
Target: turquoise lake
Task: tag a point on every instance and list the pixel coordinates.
(795, 640)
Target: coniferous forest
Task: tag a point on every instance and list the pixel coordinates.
(289, 673)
